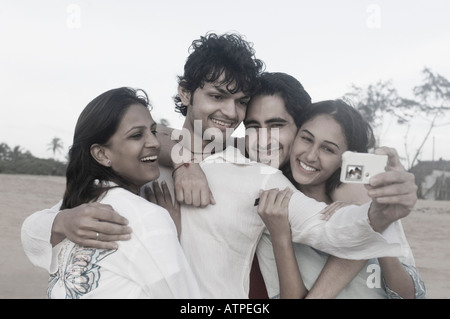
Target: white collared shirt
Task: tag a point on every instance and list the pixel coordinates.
(149, 265)
(220, 240)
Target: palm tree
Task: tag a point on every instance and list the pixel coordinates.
(5, 152)
(56, 145)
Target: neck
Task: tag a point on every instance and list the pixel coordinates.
(132, 188)
(195, 142)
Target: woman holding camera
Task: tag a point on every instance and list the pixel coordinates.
(331, 128)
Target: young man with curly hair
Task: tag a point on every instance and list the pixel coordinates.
(220, 240)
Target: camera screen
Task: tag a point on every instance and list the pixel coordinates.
(354, 172)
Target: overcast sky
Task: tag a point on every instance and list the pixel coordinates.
(56, 56)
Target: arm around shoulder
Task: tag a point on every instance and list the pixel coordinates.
(154, 256)
(35, 236)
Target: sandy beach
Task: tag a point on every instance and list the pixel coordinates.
(427, 229)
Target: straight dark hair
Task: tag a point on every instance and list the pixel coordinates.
(358, 132)
(96, 124)
(294, 96)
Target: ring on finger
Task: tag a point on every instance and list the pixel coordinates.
(96, 238)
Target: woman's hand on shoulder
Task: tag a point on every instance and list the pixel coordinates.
(160, 195)
(273, 209)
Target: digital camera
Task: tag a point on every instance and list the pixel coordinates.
(360, 167)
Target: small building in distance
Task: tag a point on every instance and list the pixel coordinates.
(432, 179)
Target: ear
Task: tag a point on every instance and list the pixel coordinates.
(184, 95)
(99, 154)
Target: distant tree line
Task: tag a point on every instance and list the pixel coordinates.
(17, 161)
(431, 103)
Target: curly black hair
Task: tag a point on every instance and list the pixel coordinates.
(214, 55)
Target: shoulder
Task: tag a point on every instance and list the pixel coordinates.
(136, 209)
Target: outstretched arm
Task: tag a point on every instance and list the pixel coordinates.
(396, 275)
(393, 193)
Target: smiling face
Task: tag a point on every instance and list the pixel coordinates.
(317, 151)
(270, 129)
(215, 108)
(133, 149)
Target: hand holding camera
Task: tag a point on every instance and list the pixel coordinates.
(393, 191)
(360, 167)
